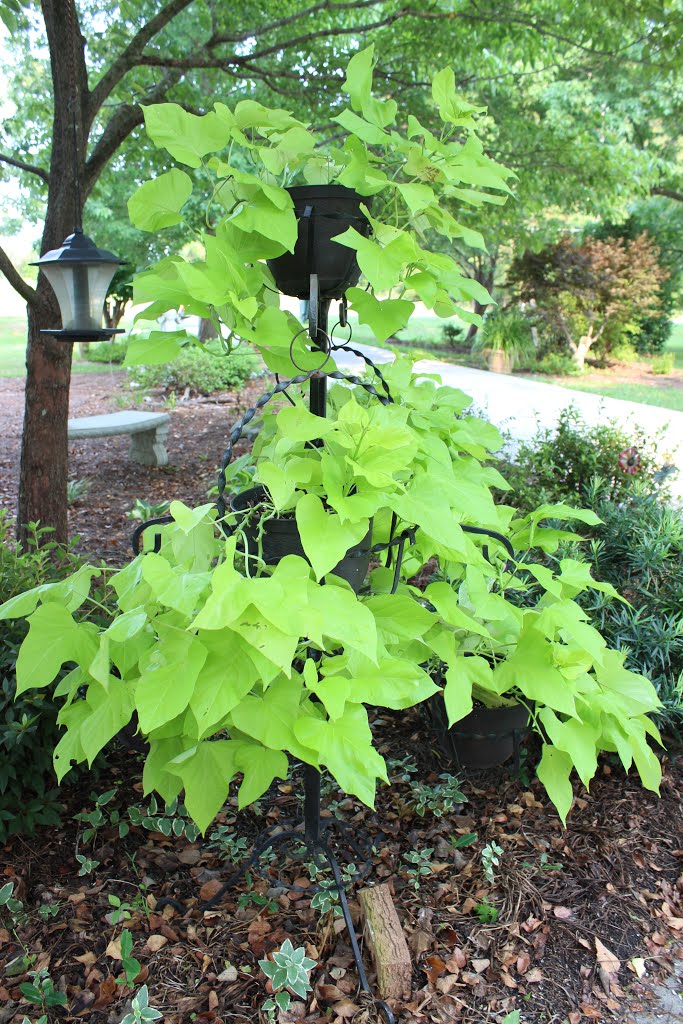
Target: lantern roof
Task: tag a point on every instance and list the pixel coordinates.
(77, 248)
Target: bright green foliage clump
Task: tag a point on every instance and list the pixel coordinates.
(232, 674)
(412, 179)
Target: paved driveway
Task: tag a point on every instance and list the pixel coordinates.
(518, 405)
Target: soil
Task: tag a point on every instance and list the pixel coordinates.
(199, 433)
(587, 918)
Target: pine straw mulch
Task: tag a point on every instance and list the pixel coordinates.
(586, 915)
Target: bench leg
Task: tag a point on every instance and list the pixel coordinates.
(148, 447)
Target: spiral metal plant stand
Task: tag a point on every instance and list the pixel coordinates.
(323, 841)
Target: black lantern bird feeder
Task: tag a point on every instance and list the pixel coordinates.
(80, 275)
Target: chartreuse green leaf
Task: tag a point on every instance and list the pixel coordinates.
(157, 203)
(206, 772)
(187, 137)
(156, 775)
(69, 749)
(358, 85)
(462, 676)
(553, 771)
(168, 678)
(156, 348)
(344, 745)
(271, 719)
(111, 709)
(227, 675)
(260, 766)
(323, 536)
(70, 592)
(394, 683)
(54, 639)
(577, 738)
(452, 108)
(383, 317)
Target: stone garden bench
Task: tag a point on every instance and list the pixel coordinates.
(148, 432)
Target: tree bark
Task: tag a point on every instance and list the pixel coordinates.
(44, 448)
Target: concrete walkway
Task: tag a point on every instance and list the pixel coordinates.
(518, 406)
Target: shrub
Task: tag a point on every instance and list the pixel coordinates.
(111, 352)
(28, 727)
(664, 363)
(557, 364)
(506, 331)
(455, 336)
(559, 463)
(201, 370)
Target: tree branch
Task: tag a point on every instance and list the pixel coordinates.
(27, 293)
(128, 58)
(670, 193)
(121, 124)
(23, 166)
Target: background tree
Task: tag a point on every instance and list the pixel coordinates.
(585, 293)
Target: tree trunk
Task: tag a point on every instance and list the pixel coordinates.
(44, 448)
(485, 277)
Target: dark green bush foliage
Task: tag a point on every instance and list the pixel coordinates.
(28, 727)
(455, 337)
(201, 370)
(559, 463)
(107, 352)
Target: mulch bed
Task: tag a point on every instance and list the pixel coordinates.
(585, 916)
(580, 912)
(198, 436)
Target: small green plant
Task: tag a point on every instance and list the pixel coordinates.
(88, 865)
(140, 1009)
(173, 819)
(420, 866)
(98, 817)
(544, 864)
(142, 511)
(231, 848)
(460, 842)
(76, 489)
(455, 337)
(41, 991)
(289, 973)
(238, 476)
(130, 966)
(400, 769)
(327, 896)
(486, 912)
(10, 908)
(490, 859)
(256, 899)
(663, 364)
(440, 797)
(121, 911)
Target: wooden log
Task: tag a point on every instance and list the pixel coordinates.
(387, 943)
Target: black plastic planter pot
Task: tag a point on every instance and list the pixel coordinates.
(323, 211)
(281, 537)
(483, 739)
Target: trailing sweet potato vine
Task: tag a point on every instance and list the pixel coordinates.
(232, 667)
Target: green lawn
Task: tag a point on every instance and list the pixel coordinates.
(666, 398)
(13, 350)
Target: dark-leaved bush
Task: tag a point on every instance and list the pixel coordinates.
(559, 463)
(200, 370)
(28, 727)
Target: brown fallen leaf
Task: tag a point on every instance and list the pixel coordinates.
(564, 913)
(114, 949)
(209, 889)
(456, 961)
(606, 958)
(87, 958)
(434, 967)
(481, 965)
(346, 1009)
(156, 942)
(105, 993)
(523, 963)
(534, 976)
